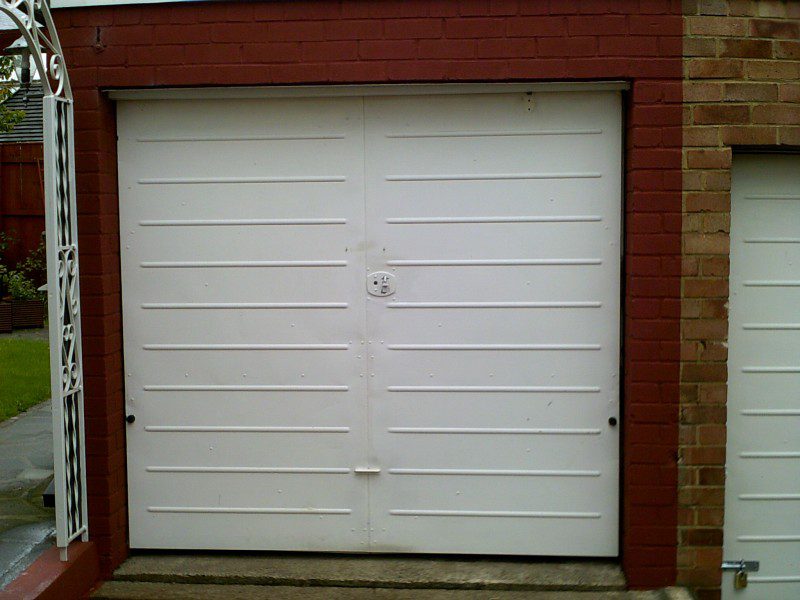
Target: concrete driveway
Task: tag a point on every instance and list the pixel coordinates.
(26, 467)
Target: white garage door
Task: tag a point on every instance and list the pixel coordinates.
(762, 499)
(373, 323)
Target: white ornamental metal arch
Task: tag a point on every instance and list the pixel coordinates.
(35, 23)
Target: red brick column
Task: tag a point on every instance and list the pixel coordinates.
(358, 41)
(651, 342)
(98, 226)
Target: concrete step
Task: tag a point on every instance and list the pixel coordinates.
(370, 571)
(131, 590)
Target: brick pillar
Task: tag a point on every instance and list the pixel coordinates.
(741, 88)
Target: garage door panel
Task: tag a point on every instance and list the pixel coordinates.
(780, 514)
(326, 161)
(774, 568)
(779, 388)
(277, 137)
(194, 205)
(775, 430)
(440, 110)
(235, 454)
(274, 421)
(244, 244)
(566, 369)
(771, 477)
(540, 407)
(420, 160)
(511, 325)
(518, 457)
(512, 492)
(507, 364)
(246, 367)
(243, 235)
(459, 277)
(537, 204)
(255, 355)
(769, 308)
(570, 278)
(767, 216)
(775, 346)
(554, 450)
(278, 117)
(250, 489)
(402, 534)
(200, 287)
(236, 531)
(297, 407)
(502, 241)
(231, 449)
(253, 490)
(763, 451)
(232, 326)
(487, 113)
(775, 264)
(781, 395)
(520, 284)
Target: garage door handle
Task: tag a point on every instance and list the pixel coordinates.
(367, 470)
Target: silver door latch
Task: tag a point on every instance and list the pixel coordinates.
(381, 283)
(367, 470)
(742, 568)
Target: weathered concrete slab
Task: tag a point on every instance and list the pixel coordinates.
(26, 465)
(126, 590)
(372, 571)
(35, 475)
(20, 546)
(26, 448)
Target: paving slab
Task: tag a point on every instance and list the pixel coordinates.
(126, 590)
(26, 467)
(21, 546)
(35, 474)
(372, 571)
(26, 448)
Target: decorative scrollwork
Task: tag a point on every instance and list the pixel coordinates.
(55, 73)
(35, 24)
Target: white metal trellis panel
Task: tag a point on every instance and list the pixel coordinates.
(36, 26)
(65, 325)
(762, 491)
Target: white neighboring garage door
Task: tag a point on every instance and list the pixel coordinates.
(762, 496)
(279, 406)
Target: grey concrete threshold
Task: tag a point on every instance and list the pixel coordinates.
(371, 572)
(128, 590)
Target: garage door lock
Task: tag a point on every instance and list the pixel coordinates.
(742, 568)
(381, 283)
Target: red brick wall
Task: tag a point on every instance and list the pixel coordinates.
(328, 41)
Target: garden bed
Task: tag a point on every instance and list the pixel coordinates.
(27, 314)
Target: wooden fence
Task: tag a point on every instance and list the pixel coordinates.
(21, 197)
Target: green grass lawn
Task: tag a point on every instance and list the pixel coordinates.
(24, 375)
